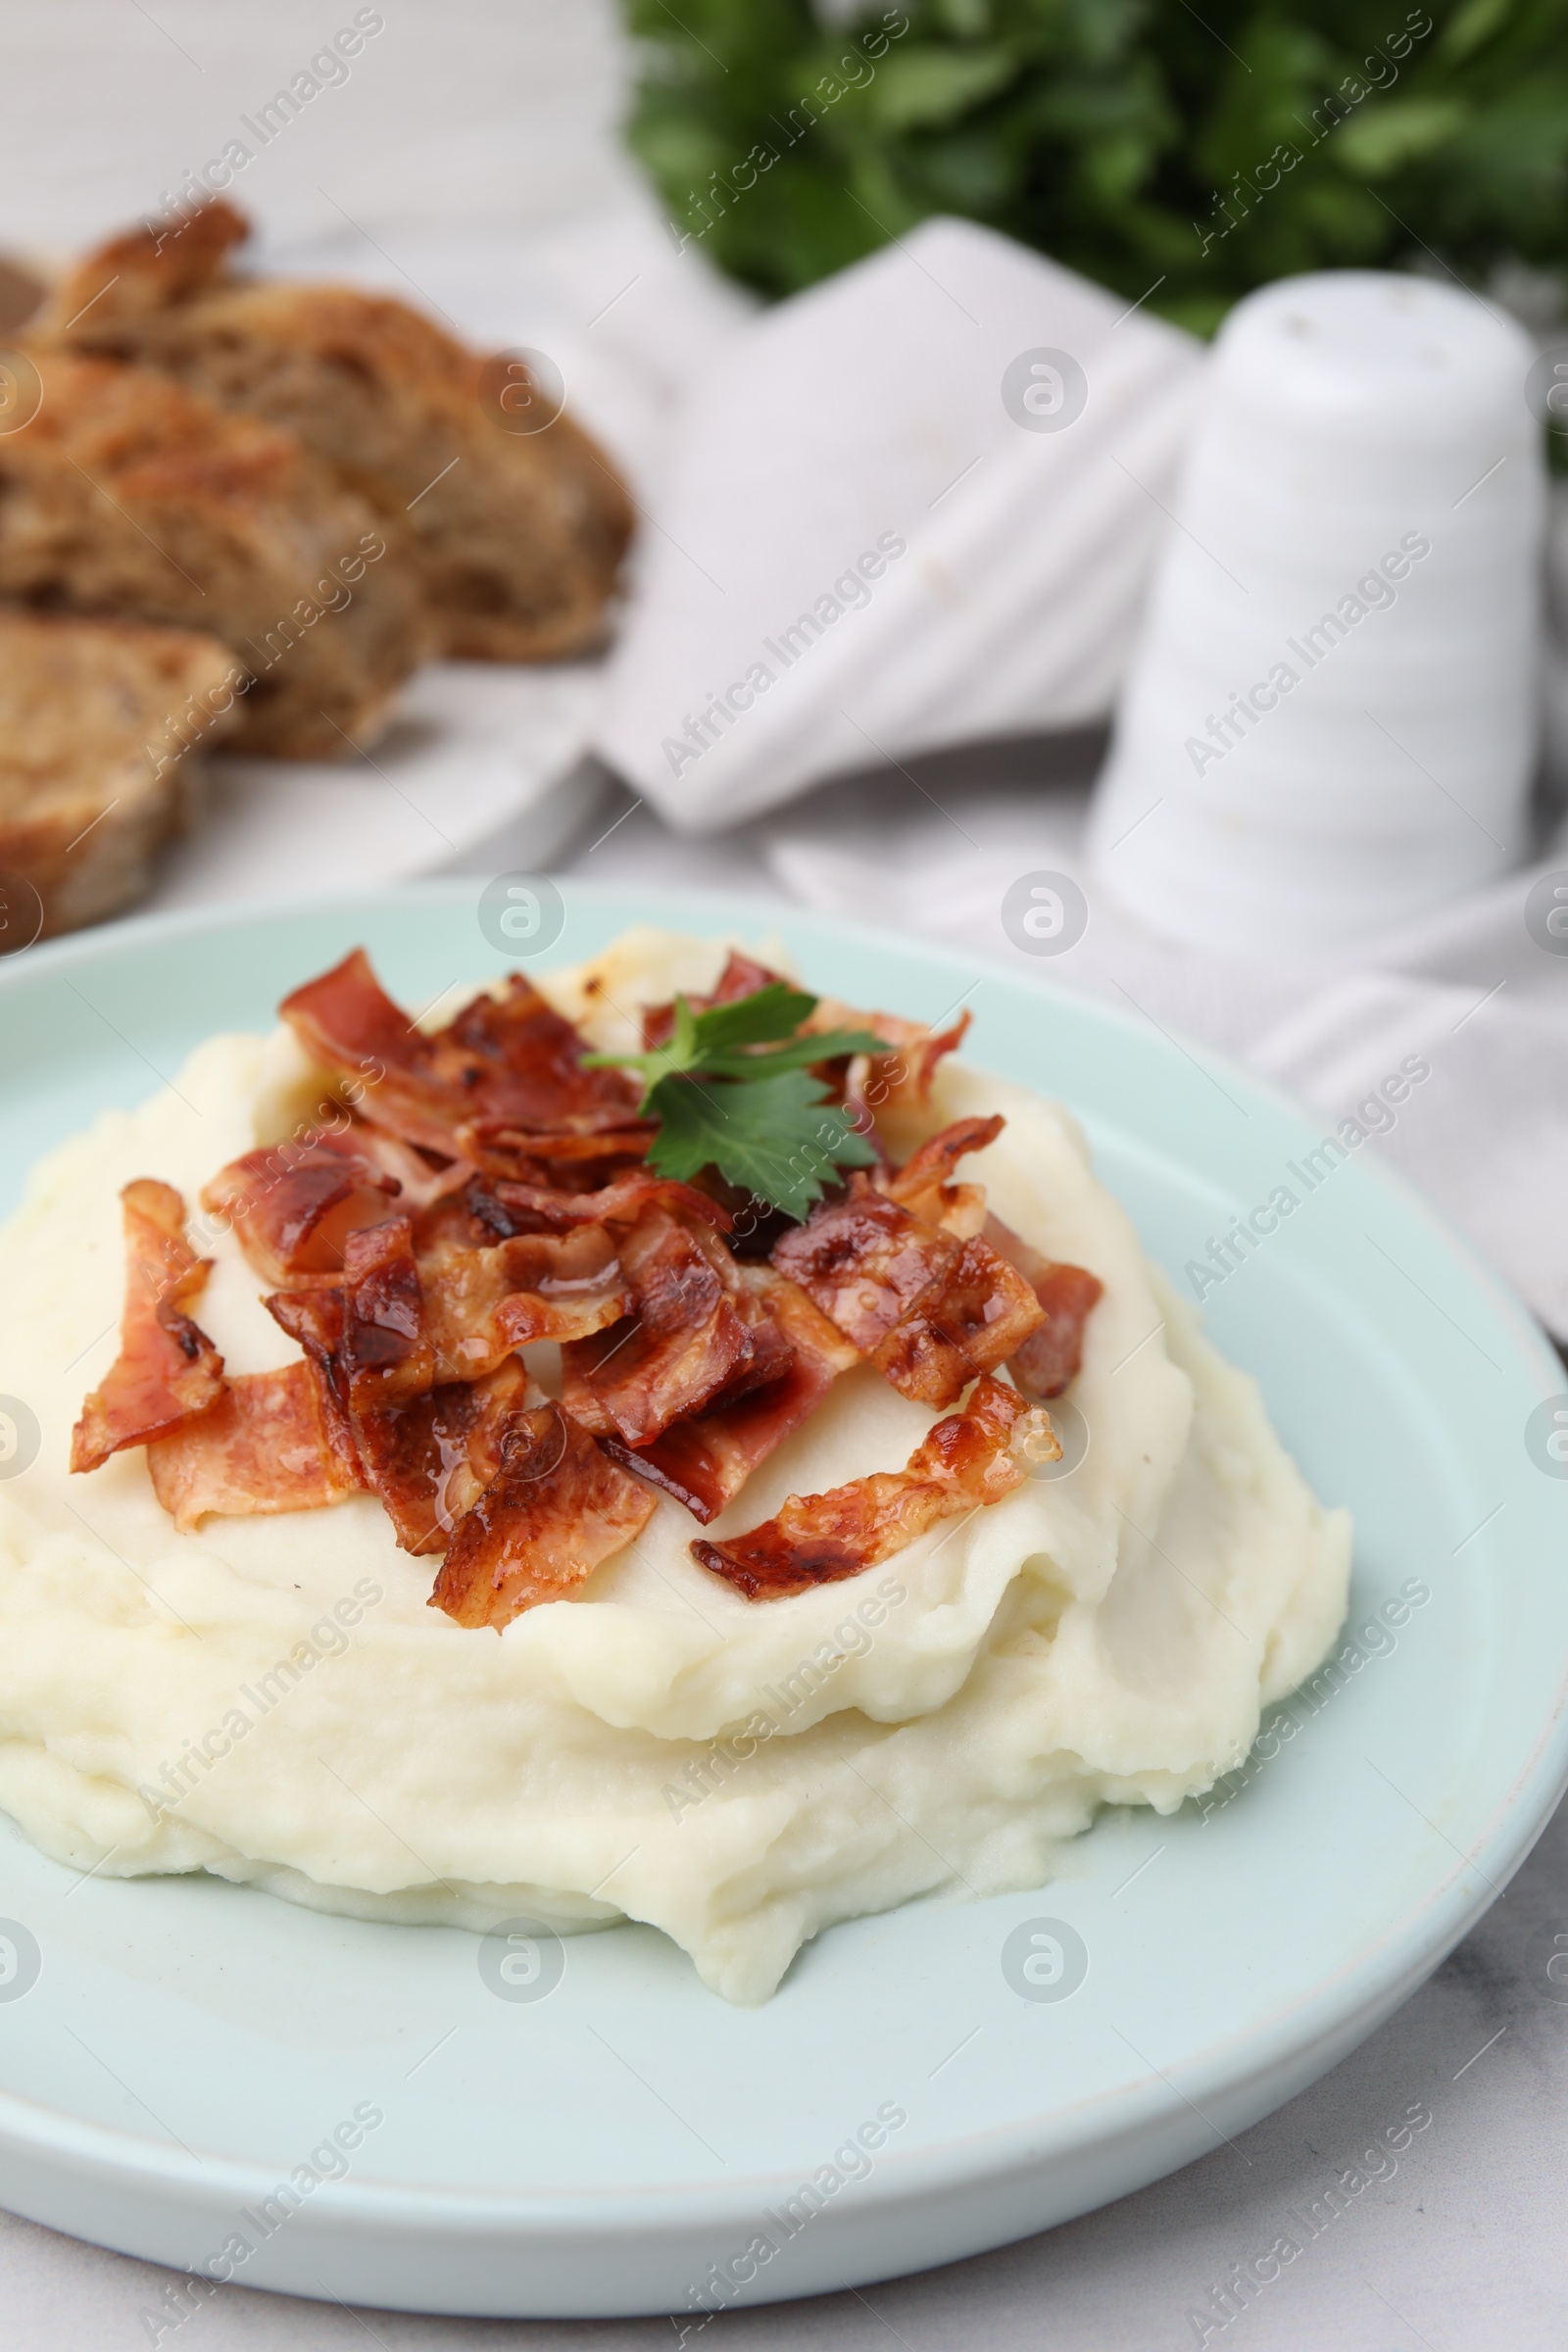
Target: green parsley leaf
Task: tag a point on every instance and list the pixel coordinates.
(732, 1090)
(775, 1012)
(1180, 156)
(724, 1041)
(778, 1137)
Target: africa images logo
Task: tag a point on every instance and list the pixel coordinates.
(522, 914)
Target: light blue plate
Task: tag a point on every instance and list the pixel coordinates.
(187, 2044)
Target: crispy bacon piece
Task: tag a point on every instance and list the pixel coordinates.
(401, 1323)
(585, 1158)
(865, 1262)
(1048, 1359)
(292, 1205)
(423, 1180)
(742, 976)
(768, 1356)
(962, 1462)
(924, 1187)
(430, 1458)
(509, 1060)
(908, 1071)
(366, 1337)
(167, 1369)
(514, 1058)
(346, 1021)
(689, 1334)
(977, 1315)
(314, 1318)
(581, 1360)
(555, 1509)
(930, 1311)
(425, 1450)
(703, 1461)
(902, 1076)
(265, 1445)
(385, 1351)
(480, 1305)
(530, 1208)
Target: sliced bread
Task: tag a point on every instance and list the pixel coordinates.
(102, 727)
(516, 537)
(125, 494)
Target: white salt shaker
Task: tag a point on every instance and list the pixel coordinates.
(1330, 724)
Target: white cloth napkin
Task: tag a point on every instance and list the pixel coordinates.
(882, 531)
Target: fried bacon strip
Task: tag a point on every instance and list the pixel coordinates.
(931, 1311)
(292, 1205)
(364, 1339)
(969, 1459)
(459, 1465)
(690, 1333)
(417, 1384)
(705, 1459)
(974, 1313)
(865, 1262)
(902, 1076)
(420, 1179)
(742, 976)
(530, 1208)
(924, 1187)
(385, 1353)
(552, 1511)
(265, 1445)
(585, 1158)
(345, 1020)
(976, 1316)
(514, 1058)
(430, 1458)
(401, 1323)
(315, 1319)
(480, 1305)
(507, 1059)
(167, 1369)
(525, 1213)
(1050, 1356)
(1047, 1358)
(426, 1448)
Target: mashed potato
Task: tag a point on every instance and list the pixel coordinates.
(272, 1699)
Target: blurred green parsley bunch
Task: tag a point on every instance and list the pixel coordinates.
(1198, 149)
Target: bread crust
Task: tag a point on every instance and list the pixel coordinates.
(103, 729)
(127, 494)
(145, 269)
(517, 539)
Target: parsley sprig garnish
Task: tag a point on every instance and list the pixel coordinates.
(733, 1088)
